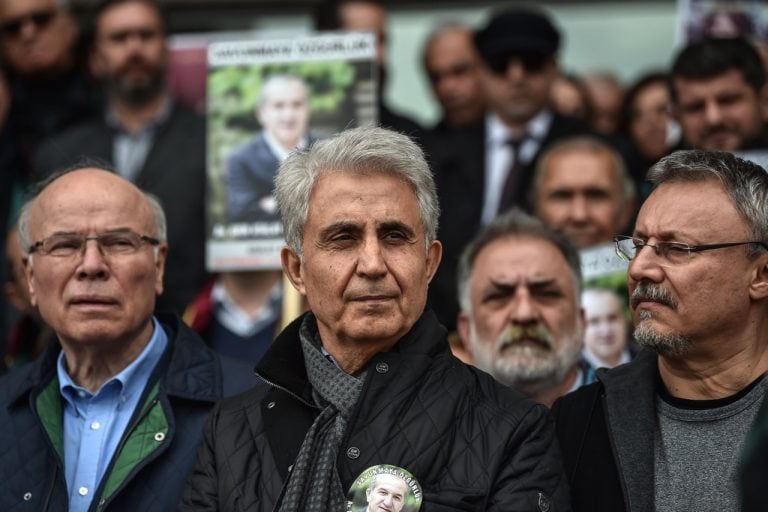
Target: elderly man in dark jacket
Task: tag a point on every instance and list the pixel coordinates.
(111, 419)
(366, 379)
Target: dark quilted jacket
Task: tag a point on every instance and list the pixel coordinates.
(159, 452)
(473, 444)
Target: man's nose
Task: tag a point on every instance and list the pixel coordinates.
(713, 113)
(93, 264)
(646, 265)
(515, 69)
(524, 309)
(579, 210)
(371, 259)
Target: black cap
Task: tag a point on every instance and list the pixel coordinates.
(515, 31)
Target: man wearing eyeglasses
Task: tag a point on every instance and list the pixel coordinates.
(110, 419)
(487, 168)
(151, 140)
(665, 431)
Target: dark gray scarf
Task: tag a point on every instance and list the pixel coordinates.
(314, 484)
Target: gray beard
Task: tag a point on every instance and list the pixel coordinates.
(526, 369)
(667, 345)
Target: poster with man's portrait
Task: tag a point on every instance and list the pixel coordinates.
(266, 99)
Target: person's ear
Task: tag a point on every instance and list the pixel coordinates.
(29, 272)
(293, 268)
(434, 256)
(758, 287)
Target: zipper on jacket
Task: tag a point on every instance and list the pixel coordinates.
(286, 390)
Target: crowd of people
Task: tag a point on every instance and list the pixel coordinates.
(450, 348)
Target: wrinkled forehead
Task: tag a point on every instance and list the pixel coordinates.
(87, 196)
(524, 260)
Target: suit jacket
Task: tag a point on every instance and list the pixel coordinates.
(174, 171)
(458, 162)
(251, 170)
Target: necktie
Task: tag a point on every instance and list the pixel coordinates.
(510, 194)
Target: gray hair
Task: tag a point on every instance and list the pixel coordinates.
(279, 79)
(515, 224)
(442, 28)
(355, 151)
(590, 144)
(161, 227)
(746, 184)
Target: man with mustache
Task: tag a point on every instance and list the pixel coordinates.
(519, 287)
(665, 431)
(366, 377)
(150, 139)
(110, 417)
(719, 95)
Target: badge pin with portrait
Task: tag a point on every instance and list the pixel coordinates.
(384, 488)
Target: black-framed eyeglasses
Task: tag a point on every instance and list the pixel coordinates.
(40, 19)
(110, 244)
(628, 247)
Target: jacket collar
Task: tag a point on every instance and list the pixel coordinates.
(190, 370)
(283, 364)
(630, 401)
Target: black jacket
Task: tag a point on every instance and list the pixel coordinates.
(151, 475)
(606, 432)
(473, 444)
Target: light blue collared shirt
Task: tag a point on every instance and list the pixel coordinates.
(94, 423)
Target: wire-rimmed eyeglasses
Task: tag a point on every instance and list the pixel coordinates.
(628, 247)
(114, 243)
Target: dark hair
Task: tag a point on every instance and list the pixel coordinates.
(712, 57)
(327, 14)
(103, 5)
(647, 80)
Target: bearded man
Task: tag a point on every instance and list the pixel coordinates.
(520, 318)
(666, 431)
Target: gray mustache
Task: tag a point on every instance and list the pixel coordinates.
(654, 292)
(514, 334)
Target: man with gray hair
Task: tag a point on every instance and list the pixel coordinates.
(110, 417)
(283, 112)
(520, 318)
(582, 187)
(665, 431)
(366, 377)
